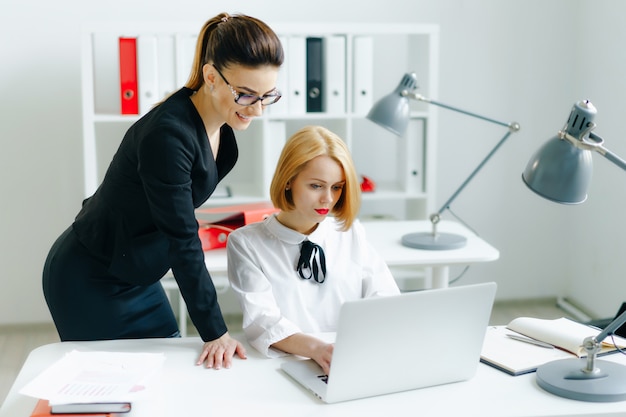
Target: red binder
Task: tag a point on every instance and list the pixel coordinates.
(128, 75)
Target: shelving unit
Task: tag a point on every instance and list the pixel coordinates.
(402, 167)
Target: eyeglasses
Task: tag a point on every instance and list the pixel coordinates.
(250, 99)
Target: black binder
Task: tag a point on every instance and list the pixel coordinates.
(314, 74)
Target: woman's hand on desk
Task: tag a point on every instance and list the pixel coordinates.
(220, 352)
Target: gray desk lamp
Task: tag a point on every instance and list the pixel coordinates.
(561, 171)
(392, 112)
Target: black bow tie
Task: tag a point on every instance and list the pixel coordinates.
(312, 262)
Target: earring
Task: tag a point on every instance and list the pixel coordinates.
(211, 87)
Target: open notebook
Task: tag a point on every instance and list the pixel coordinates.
(546, 340)
(398, 343)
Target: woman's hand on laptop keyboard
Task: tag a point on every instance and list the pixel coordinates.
(324, 356)
(308, 346)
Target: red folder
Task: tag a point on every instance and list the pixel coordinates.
(215, 224)
(128, 75)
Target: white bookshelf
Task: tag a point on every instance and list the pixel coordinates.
(402, 167)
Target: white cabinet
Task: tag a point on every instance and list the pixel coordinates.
(361, 63)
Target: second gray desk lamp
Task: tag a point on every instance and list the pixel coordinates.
(392, 112)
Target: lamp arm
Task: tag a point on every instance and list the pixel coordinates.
(613, 158)
(435, 217)
(513, 127)
(592, 346)
(610, 155)
(593, 142)
(610, 329)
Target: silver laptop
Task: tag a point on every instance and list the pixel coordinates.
(391, 344)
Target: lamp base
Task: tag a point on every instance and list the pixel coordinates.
(430, 241)
(565, 378)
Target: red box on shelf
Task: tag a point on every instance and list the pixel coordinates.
(215, 224)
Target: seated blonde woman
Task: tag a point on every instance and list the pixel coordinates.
(292, 272)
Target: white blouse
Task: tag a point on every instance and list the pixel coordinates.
(276, 302)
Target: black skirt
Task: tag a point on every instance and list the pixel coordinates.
(88, 303)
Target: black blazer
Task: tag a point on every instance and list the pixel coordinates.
(141, 219)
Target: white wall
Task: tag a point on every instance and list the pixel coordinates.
(598, 247)
(522, 60)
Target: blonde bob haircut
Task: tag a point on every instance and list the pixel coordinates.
(303, 146)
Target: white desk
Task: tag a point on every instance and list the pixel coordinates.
(385, 236)
(257, 387)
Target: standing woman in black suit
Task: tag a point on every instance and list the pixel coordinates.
(101, 277)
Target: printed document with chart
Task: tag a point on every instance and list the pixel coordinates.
(90, 377)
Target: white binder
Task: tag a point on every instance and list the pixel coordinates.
(282, 83)
(335, 74)
(296, 70)
(363, 74)
(166, 64)
(275, 136)
(414, 139)
(147, 76)
(185, 50)
(106, 73)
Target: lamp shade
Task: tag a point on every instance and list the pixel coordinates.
(560, 172)
(561, 169)
(392, 111)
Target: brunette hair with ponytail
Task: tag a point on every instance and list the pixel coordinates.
(234, 39)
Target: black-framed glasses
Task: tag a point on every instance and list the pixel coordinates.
(250, 99)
